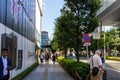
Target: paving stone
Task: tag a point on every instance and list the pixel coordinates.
(48, 72)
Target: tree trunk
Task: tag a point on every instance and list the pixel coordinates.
(65, 52)
(77, 44)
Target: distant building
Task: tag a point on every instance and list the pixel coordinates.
(44, 38)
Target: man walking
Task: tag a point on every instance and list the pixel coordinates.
(95, 61)
(5, 65)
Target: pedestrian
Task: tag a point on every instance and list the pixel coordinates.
(96, 62)
(41, 57)
(5, 65)
(47, 57)
(54, 58)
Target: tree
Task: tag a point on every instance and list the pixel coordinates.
(63, 34)
(78, 17)
(85, 20)
(114, 39)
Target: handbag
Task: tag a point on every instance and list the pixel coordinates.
(95, 70)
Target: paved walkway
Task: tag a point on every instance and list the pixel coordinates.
(48, 72)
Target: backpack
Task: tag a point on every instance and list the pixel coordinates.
(53, 56)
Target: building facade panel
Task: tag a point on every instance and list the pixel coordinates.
(17, 32)
(109, 16)
(105, 4)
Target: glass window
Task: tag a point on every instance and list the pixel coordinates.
(9, 17)
(3, 11)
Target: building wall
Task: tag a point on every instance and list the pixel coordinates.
(38, 27)
(17, 32)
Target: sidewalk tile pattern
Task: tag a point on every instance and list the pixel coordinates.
(48, 72)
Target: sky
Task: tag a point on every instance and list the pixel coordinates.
(51, 10)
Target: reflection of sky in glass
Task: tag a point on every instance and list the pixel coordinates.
(15, 9)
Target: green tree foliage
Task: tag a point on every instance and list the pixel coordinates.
(112, 41)
(77, 17)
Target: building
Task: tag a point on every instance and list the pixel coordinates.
(109, 13)
(44, 38)
(38, 27)
(19, 32)
(105, 4)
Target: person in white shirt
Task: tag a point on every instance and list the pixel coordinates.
(95, 61)
(41, 57)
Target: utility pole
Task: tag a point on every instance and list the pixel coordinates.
(104, 48)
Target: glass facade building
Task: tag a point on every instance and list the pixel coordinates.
(18, 32)
(19, 16)
(105, 4)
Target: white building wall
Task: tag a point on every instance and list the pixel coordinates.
(22, 44)
(38, 19)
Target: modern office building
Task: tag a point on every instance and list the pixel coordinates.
(109, 13)
(44, 38)
(19, 31)
(105, 4)
(38, 27)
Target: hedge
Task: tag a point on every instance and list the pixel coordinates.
(73, 67)
(113, 58)
(24, 73)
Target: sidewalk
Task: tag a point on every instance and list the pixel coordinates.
(48, 72)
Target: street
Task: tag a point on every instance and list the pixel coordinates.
(113, 70)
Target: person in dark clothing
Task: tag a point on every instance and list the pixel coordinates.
(47, 57)
(54, 58)
(5, 65)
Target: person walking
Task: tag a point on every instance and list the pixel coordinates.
(95, 61)
(53, 58)
(41, 57)
(5, 65)
(47, 57)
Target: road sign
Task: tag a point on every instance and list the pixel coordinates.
(86, 38)
(87, 44)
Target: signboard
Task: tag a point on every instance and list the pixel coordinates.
(96, 36)
(86, 44)
(20, 59)
(86, 38)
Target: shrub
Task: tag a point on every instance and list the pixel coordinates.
(24, 73)
(71, 66)
(113, 58)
